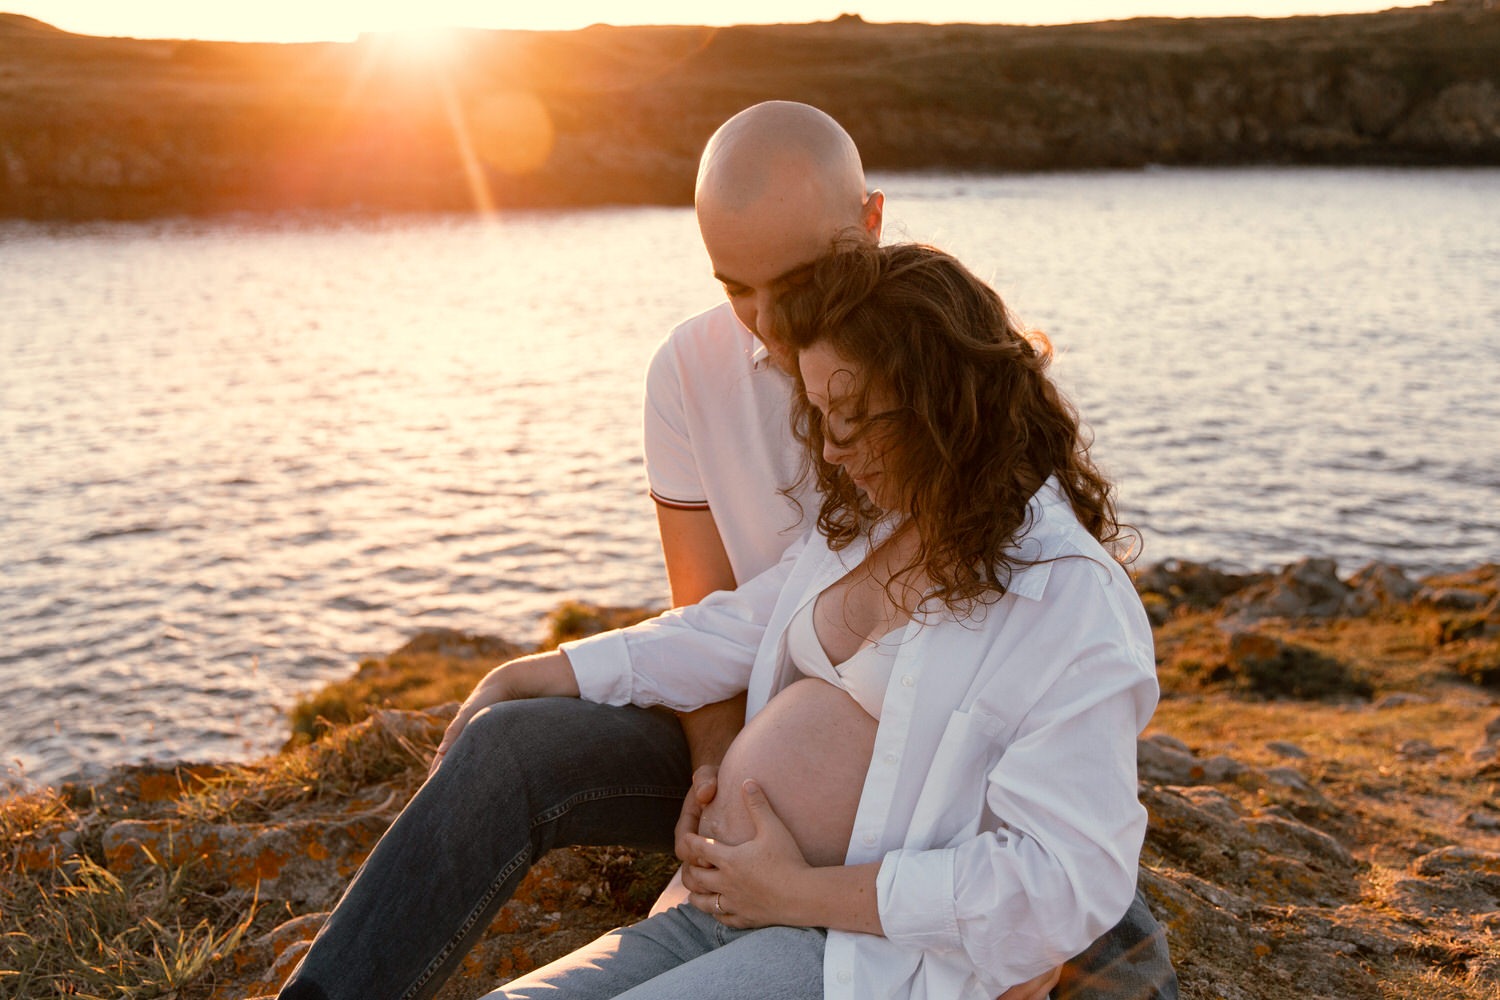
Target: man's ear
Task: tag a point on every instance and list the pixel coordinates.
(872, 215)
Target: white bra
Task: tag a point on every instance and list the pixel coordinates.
(864, 675)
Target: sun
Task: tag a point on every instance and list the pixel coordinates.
(418, 45)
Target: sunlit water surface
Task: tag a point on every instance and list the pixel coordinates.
(239, 455)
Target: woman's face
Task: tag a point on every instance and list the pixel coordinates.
(834, 389)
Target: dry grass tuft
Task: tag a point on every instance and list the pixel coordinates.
(577, 619)
(78, 930)
(23, 816)
(69, 926)
(387, 748)
(433, 668)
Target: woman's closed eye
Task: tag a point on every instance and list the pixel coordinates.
(839, 428)
(843, 429)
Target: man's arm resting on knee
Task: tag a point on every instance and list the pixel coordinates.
(544, 675)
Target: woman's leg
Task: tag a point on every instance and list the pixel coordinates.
(622, 959)
(682, 954)
(525, 777)
(781, 962)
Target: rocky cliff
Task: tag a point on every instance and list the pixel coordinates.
(1322, 776)
(102, 127)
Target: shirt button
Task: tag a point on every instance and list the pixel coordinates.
(890, 758)
(869, 838)
(908, 680)
(845, 976)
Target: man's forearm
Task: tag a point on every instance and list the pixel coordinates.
(698, 565)
(710, 729)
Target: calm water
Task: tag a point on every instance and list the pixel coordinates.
(239, 455)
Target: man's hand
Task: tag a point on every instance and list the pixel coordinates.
(540, 676)
(709, 732)
(1034, 989)
(705, 787)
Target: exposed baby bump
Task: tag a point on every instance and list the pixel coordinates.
(809, 749)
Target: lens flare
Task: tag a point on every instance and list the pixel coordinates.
(512, 132)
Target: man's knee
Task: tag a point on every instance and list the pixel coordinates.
(521, 724)
(517, 737)
(563, 739)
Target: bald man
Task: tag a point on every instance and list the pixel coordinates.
(516, 775)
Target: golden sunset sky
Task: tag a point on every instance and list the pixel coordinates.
(301, 20)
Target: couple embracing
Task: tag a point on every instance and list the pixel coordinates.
(906, 669)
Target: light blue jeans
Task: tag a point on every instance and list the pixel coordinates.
(683, 954)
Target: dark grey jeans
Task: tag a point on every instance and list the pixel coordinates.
(529, 776)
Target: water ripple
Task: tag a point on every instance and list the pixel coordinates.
(103, 534)
(292, 445)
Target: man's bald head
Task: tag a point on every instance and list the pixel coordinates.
(782, 154)
(778, 184)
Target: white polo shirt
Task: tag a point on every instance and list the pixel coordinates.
(718, 437)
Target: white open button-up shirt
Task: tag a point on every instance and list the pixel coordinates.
(1001, 796)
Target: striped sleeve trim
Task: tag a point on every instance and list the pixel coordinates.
(679, 504)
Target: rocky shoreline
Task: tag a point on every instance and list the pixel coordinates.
(109, 128)
(1323, 780)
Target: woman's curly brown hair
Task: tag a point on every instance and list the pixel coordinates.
(976, 424)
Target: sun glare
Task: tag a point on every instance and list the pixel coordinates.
(418, 46)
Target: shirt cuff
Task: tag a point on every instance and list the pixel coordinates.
(601, 665)
(916, 895)
(668, 501)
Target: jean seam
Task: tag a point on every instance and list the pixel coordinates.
(542, 818)
(468, 923)
(562, 808)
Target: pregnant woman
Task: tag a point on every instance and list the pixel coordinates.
(934, 795)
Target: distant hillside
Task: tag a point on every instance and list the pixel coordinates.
(20, 24)
(107, 127)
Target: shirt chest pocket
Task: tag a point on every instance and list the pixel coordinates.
(952, 804)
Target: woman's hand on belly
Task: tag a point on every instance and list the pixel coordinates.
(755, 873)
(808, 749)
(766, 881)
(774, 838)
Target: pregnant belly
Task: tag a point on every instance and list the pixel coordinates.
(809, 749)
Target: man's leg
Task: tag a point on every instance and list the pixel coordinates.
(1128, 963)
(525, 777)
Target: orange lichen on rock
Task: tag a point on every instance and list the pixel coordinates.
(249, 872)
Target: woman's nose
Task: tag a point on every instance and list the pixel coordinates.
(833, 453)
